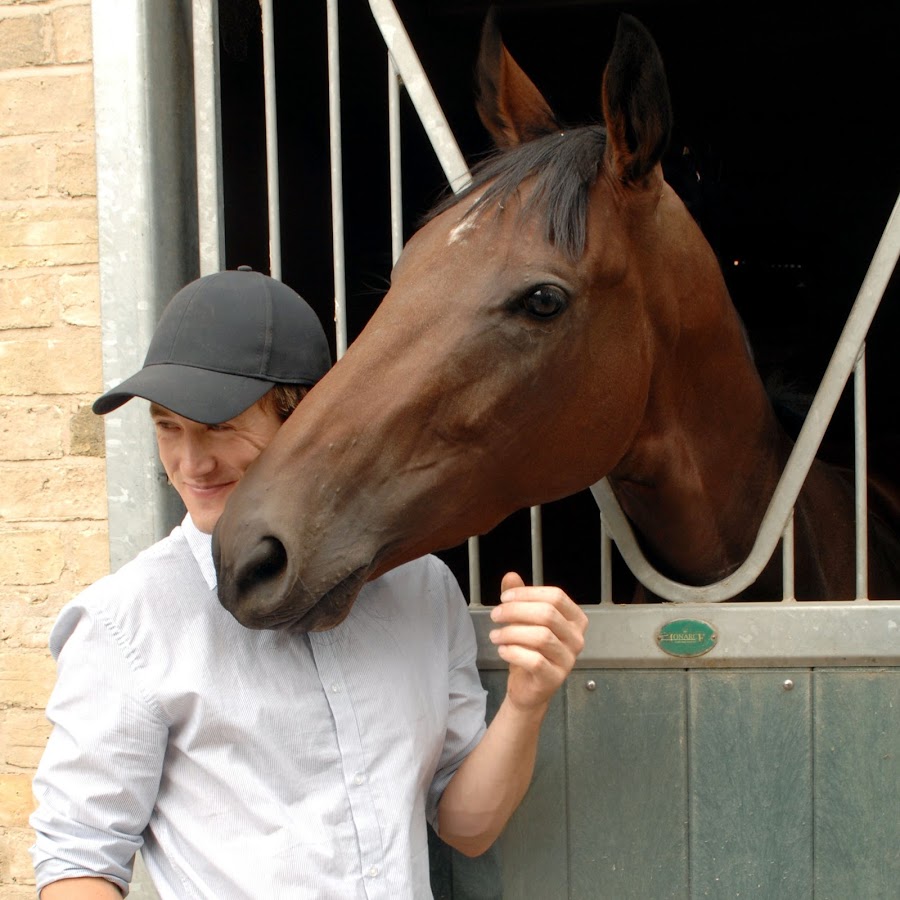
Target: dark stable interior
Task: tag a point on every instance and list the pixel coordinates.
(785, 149)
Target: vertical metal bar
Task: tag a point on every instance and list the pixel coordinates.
(147, 236)
(537, 547)
(268, 33)
(420, 93)
(862, 476)
(605, 564)
(394, 155)
(474, 572)
(787, 560)
(208, 125)
(337, 187)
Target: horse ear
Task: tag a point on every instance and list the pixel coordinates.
(636, 103)
(509, 105)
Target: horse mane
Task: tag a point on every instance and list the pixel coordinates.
(564, 164)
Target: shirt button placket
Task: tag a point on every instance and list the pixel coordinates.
(361, 803)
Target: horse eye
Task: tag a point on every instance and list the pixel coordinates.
(544, 302)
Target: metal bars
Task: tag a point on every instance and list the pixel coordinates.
(268, 35)
(208, 128)
(849, 355)
(337, 191)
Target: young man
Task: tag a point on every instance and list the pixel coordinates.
(251, 764)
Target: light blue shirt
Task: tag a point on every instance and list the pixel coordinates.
(251, 764)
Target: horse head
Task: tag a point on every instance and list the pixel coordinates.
(512, 362)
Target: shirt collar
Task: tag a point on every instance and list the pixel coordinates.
(201, 547)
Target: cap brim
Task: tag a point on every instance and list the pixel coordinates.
(198, 394)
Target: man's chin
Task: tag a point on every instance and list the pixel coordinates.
(205, 519)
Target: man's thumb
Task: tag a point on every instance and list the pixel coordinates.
(511, 580)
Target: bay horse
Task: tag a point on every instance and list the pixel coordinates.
(561, 320)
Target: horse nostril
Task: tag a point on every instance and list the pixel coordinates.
(265, 562)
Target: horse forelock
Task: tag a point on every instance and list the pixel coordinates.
(563, 165)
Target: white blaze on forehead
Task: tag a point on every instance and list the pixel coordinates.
(468, 222)
(459, 232)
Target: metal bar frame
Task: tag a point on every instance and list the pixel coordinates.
(751, 635)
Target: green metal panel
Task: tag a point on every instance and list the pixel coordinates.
(778, 784)
(627, 791)
(750, 784)
(533, 849)
(530, 860)
(857, 784)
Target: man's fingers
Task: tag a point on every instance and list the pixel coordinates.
(554, 596)
(557, 649)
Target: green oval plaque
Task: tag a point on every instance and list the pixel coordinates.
(686, 637)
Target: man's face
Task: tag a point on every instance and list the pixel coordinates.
(205, 462)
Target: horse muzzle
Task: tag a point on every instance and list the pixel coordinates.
(258, 588)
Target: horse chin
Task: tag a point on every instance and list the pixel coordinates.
(334, 606)
(297, 611)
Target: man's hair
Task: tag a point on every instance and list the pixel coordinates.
(283, 399)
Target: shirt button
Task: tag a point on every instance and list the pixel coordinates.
(373, 872)
(359, 778)
(335, 688)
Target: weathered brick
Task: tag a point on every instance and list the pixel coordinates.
(31, 429)
(36, 168)
(16, 872)
(87, 554)
(69, 363)
(28, 301)
(16, 799)
(47, 102)
(20, 889)
(37, 300)
(79, 295)
(75, 174)
(23, 41)
(26, 679)
(48, 233)
(68, 489)
(31, 557)
(27, 168)
(53, 533)
(28, 614)
(25, 734)
(86, 434)
(72, 33)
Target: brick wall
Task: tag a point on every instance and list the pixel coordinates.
(53, 537)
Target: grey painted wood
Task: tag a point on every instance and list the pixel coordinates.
(627, 791)
(750, 780)
(857, 784)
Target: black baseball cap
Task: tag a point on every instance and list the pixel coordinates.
(222, 342)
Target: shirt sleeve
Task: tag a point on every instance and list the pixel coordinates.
(99, 776)
(467, 696)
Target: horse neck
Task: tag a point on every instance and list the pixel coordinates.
(700, 473)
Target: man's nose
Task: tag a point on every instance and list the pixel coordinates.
(197, 457)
